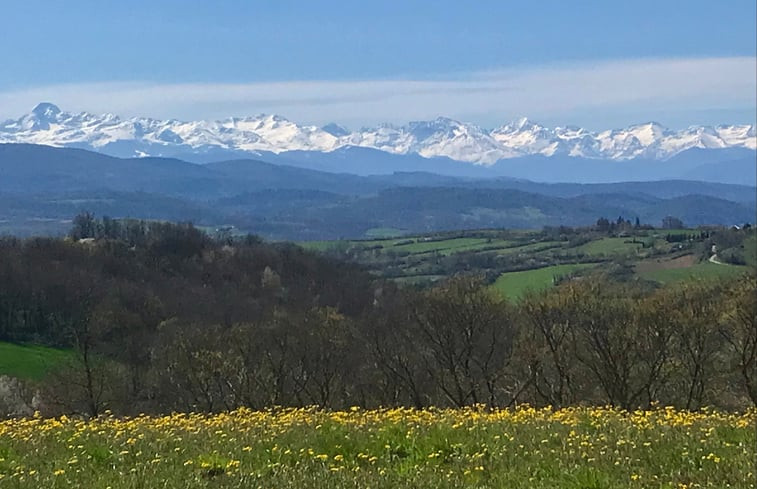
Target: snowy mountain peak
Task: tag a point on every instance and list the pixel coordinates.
(335, 129)
(442, 136)
(46, 110)
(437, 127)
(522, 123)
(650, 124)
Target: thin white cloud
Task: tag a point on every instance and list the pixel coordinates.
(599, 89)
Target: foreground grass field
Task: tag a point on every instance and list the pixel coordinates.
(29, 362)
(523, 448)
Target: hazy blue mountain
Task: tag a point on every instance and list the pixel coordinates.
(41, 187)
(335, 129)
(422, 209)
(34, 169)
(683, 166)
(369, 161)
(740, 171)
(552, 169)
(664, 189)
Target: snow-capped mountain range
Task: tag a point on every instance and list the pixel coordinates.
(47, 124)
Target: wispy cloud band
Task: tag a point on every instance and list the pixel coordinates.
(558, 92)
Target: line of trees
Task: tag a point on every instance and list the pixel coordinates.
(181, 322)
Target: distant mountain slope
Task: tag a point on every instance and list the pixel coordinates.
(252, 175)
(741, 171)
(369, 161)
(683, 166)
(454, 208)
(41, 187)
(313, 214)
(32, 169)
(663, 189)
(420, 209)
(41, 169)
(553, 169)
(441, 137)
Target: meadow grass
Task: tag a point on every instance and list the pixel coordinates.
(610, 247)
(417, 247)
(384, 233)
(483, 246)
(704, 270)
(514, 285)
(421, 246)
(28, 361)
(675, 232)
(530, 248)
(321, 245)
(750, 250)
(494, 245)
(399, 448)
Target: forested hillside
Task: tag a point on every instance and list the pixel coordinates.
(157, 317)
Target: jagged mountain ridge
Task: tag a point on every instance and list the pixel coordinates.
(442, 137)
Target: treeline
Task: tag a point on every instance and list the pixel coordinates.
(681, 237)
(176, 321)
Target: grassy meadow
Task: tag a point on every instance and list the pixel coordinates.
(514, 285)
(610, 247)
(750, 250)
(397, 448)
(29, 361)
(704, 270)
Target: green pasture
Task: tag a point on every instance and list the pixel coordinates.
(704, 270)
(29, 362)
(514, 285)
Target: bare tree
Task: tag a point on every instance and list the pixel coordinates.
(548, 343)
(740, 332)
(466, 338)
(694, 311)
(624, 348)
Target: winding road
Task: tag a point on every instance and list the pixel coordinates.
(714, 259)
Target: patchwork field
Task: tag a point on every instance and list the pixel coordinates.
(661, 256)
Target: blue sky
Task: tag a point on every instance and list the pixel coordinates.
(593, 63)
